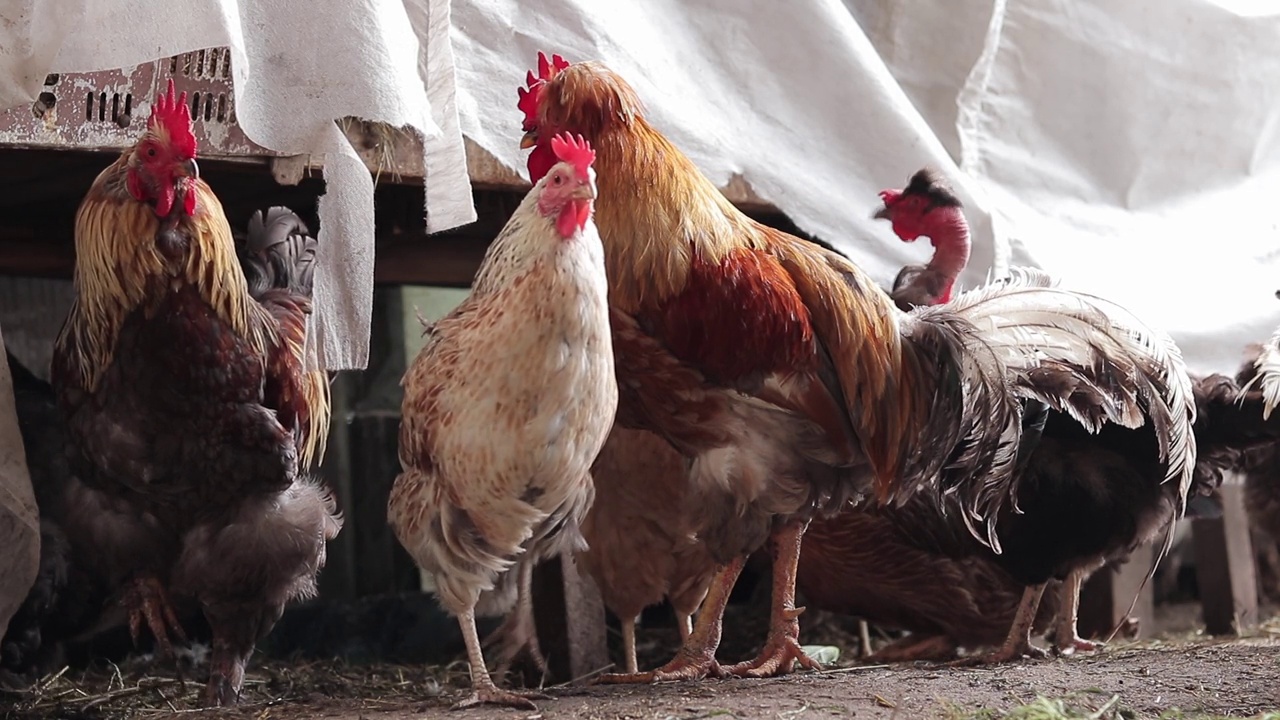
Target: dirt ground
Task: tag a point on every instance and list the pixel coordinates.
(1184, 677)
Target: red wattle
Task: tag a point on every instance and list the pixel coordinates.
(541, 159)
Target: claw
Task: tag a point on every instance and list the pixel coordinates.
(494, 696)
(1006, 653)
(685, 666)
(146, 599)
(779, 657)
(1070, 646)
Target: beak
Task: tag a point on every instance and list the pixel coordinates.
(882, 213)
(529, 140)
(189, 169)
(584, 192)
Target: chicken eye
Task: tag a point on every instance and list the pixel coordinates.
(559, 180)
(151, 152)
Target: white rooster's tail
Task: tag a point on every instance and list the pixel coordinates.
(1026, 339)
(1267, 367)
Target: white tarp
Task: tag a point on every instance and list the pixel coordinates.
(298, 66)
(1125, 145)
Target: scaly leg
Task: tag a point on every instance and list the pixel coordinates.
(1065, 638)
(226, 674)
(684, 621)
(146, 599)
(914, 648)
(629, 644)
(697, 656)
(782, 650)
(483, 691)
(518, 635)
(864, 639)
(1018, 642)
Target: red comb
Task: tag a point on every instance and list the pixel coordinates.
(174, 116)
(890, 196)
(547, 69)
(574, 150)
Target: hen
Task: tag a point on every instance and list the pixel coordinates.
(1116, 477)
(792, 383)
(640, 533)
(507, 405)
(863, 560)
(189, 409)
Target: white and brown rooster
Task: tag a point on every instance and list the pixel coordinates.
(506, 407)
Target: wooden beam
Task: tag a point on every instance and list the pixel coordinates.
(1107, 595)
(1225, 566)
(570, 618)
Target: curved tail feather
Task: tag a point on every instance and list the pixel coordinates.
(1026, 339)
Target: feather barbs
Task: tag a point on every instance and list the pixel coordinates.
(171, 116)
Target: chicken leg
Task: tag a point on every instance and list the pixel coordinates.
(146, 599)
(782, 650)
(1066, 640)
(483, 690)
(517, 636)
(1017, 643)
(697, 656)
(684, 621)
(629, 645)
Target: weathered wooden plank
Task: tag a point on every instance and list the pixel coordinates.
(570, 616)
(1225, 566)
(1106, 597)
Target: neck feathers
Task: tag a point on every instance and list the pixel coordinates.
(119, 267)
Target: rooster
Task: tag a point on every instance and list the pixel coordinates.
(1116, 476)
(505, 408)
(639, 533)
(190, 412)
(793, 384)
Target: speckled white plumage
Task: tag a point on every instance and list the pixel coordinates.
(504, 411)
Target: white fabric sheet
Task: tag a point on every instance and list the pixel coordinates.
(299, 65)
(1127, 147)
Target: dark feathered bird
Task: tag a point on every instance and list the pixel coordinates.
(1084, 498)
(192, 414)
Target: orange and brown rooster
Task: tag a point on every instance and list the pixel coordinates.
(793, 383)
(190, 411)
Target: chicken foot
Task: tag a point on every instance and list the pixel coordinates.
(146, 599)
(1066, 639)
(483, 690)
(1018, 642)
(517, 637)
(226, 673)
(697, 656)
(782, 650)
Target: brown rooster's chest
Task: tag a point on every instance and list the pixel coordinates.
(179, 339)
(736, 321)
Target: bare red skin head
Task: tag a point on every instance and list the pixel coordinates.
(928, 208)
(569, 191)
(164, 160)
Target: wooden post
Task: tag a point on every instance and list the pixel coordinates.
(1225, 565)
(570, 617)
(1107, 595)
